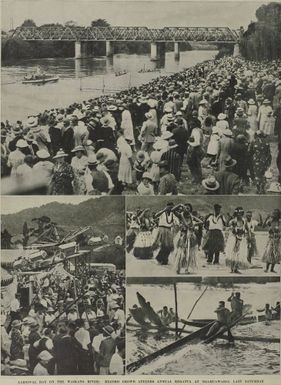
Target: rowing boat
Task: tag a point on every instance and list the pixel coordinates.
(245, 321)
(41, 81)
(198, 336)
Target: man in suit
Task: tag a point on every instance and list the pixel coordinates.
(148, 133)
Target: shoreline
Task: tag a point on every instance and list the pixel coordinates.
(94, 93)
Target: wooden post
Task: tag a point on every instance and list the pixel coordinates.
(176, 308)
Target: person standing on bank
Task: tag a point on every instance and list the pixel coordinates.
(214, 224)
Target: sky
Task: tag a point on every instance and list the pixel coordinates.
(154, 14)
(12, 204)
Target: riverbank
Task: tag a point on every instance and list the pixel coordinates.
(83, 79)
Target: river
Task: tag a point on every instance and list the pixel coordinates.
(82, 79)
(217, 358)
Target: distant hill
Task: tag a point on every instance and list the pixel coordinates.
(204, 204)
(103, 214)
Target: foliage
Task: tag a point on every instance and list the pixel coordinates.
(262, 40)
(100, 23)
(28, 23)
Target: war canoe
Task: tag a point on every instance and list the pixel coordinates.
(198, 336)
(149, 311)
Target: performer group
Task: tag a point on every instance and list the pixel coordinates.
(177, 234)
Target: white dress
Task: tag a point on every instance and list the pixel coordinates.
(125, 168)
(127, 126)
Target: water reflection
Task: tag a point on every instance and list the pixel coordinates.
(94, 72)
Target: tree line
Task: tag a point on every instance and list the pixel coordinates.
(14, 48)
(262, 40)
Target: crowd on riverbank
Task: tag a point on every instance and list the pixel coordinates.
(68, 328)
(221, 118)
(176, 234)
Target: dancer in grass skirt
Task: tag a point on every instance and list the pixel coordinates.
(164, 236)
(272, 253)
(187, 243)
(143, 242)
(236, 249)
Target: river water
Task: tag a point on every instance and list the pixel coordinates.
(217, 358)
(82, 79)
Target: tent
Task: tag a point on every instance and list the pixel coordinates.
(6, 278)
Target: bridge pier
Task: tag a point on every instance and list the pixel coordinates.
(109, 48)
(236, 50)
(83, 49)
(153, 51)
(177, 50)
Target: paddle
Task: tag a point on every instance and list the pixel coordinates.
(193, 307)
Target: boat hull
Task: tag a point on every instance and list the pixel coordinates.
(41, 81)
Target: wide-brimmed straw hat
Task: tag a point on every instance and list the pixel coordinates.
(60, 154)
(229, 162)
(43, 154)
(166, 135)
(210, 183)
(21, 143)
(78, 148)
(221, 116)
(251, 102)
(146, 175)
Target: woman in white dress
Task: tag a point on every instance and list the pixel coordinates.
(125, 163)
(252, 118)
(79, 164)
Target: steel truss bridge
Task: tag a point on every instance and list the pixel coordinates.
(141, 34)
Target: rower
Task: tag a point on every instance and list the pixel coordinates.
(236, 305)
(223, 316)
(165, 316)
(267, 312)
(276, 309)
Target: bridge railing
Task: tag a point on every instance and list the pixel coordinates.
(118, 33)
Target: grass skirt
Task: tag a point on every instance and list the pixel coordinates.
(143, 245)
(272, 252)
(185, 255)
(214, 241)
(236, 251)
(164, 238)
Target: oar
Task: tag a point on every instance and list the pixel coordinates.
(198, 299)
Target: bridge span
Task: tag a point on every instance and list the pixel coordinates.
(157, 37)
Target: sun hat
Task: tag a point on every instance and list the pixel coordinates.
(29, 136)
(221, 116)
(45, 356)
(43, 154)
(111, 108)
(21, 143)
(146, 175)
(16, 323)
(60, 154)
(210, 183)
(227, 132)
(229, 162)
(148, 115)
(172, 143)
(140, 155)
(92, 160)
(166, 135)
(78, 148)
(251, 102)
(32, 121)
(266, 101)
(160, 145)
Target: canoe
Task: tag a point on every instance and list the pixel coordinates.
(194, 338)
(139, 316)
(224, 329)
(245, 321)
(149, 311)
(41, 81)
